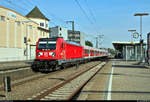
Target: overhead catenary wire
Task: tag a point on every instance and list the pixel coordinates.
(28, 4)
(84, 11)
(93, 22)
(52, 15)
(90, 11)
(47, 12)
(6, 3)
(15, 6)
(31, 3)
(92, 15)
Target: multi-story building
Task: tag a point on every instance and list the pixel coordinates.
(18, 35)
(59, 32)
(76, 36)
(37, 16)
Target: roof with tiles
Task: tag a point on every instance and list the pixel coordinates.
(36, 13)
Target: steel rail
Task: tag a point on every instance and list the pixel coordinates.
(14, 84)
(67, 94)
(73, 94)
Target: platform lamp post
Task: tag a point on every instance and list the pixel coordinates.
(141, 40)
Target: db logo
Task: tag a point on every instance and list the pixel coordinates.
(46, 54)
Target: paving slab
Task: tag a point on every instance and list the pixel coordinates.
(130, 81)
(15, 64)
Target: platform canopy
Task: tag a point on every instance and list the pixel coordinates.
(118, 45)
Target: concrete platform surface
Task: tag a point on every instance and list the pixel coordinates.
(119, 80)
(129, 81)
(14, 64)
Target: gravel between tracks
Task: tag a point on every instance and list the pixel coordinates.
(30, 88)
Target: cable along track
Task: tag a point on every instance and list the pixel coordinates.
(66, 90)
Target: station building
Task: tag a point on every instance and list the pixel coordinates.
(69, 35)
(130, 50)
(77, 37)
(59, 31)
(18, 35)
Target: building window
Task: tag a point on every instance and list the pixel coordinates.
(46, 25)
(43, 34)
(25, 39)
(42, 24)
(2, 18)
(18, 23)
(30, 26)
(78, 38)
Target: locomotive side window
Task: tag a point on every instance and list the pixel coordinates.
(62, 45)
(86, 51)
(92, 52)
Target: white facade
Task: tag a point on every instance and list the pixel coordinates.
(16, 54)
(59, 32)
(18, 36)
(43, 23)
(77, 36)
(82, 38)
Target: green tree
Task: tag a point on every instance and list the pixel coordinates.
(88, 43)
(112, 51)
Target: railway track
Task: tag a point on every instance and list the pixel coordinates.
(26, 78)
(66, 90)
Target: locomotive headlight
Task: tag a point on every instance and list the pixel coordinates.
(40, 54)
(50, 53)
(53, 55)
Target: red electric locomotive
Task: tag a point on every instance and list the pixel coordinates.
(52, 52)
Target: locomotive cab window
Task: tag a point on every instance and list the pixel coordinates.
(47, 45)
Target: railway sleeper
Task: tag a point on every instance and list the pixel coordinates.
(61, 93)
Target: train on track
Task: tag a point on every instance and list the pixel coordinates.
(54, 52)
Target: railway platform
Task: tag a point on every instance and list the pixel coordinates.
(14, 64)
(119, 80)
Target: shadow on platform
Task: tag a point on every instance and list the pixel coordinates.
(129, 66)
(132, 92)
(61, 79)
(2, 95)
(125, 74)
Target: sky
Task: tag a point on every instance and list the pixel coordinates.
(110, 18)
